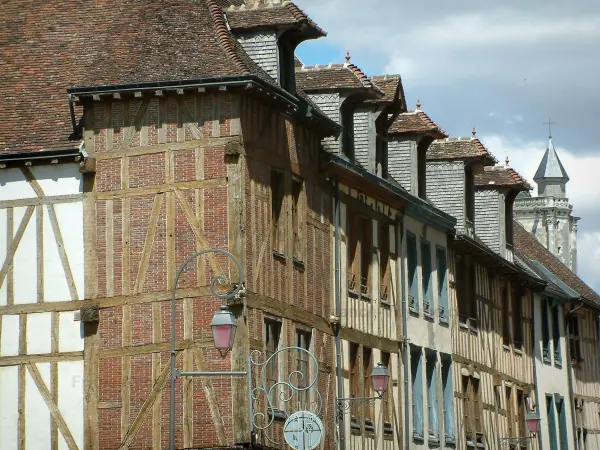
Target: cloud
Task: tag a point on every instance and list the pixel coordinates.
(583, 194)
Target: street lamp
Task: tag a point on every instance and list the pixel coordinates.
(223, 326)
(533, 421)
(379, 380)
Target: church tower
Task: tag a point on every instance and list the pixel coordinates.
(549, 216)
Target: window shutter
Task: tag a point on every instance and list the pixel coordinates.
(417, 393)
(442, 283)
(412, 272)
(432, 396)
(426, 272)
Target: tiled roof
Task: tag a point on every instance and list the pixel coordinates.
(416, 122)
(46, 49)
(501, 176)
(550, 166)
(269, 14)
(528, 246)
(390, 85)
(334, 76)
(458, 148)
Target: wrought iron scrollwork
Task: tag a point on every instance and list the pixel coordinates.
(515, 443)
(346, 404)
(216, 279)
(272, 400)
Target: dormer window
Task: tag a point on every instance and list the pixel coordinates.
(469, 194)
(381, 147)
(347, 119)
(287, 69)
(422, 147)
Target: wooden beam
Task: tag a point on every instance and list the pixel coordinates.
(137, 120)
(141, 275)
(188, 119)
(35, 201)
(146, 407)
(146, 349)
(46, 358)
(10, 293)
(211, 398)
(62, 252)
(54, 412)
(161, 188)
(39, 222)
(10, 253)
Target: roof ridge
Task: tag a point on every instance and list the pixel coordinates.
(223, 36)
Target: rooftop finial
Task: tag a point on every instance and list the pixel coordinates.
(473, 132)
(549, 123)
(507, 161)
(418, 104)
(347, 56)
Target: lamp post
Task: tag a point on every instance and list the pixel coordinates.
(223, 326)
(532, 418)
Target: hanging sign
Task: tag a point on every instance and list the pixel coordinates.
(303, 430)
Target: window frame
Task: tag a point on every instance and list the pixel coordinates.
(431, 375)
(427, 278)
(298, 215)
(417, 391)
(442, 281)
(412, 267)
(448, 402)
(304, 338)
(546, 327)
(556, 334)
(278, 212)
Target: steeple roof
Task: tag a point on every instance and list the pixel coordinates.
(551, 167)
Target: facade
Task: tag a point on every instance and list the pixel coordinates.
(365, 235)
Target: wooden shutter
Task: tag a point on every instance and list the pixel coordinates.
(277, 201)
(417, 392)
(411, 249)
(442, 280)
(426, 277)
(449, 426)
(432, 395)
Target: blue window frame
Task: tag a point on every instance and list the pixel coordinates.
(551, 422)
(442, 279)
(413, 287)
(562, 422)
(556, 335)
(426, 269)
(417, 392)
(432, 396)
(449, 426)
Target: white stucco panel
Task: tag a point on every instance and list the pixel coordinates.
(70, 333)
(3, 229)
(70, 220)
(14, 185)
(9, 344)
(56, 288)
(70, 400)
(37, 414)
(9, 406)
(39, 333)
(61, 179)
(24, 262)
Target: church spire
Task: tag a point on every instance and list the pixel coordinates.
(551, 177)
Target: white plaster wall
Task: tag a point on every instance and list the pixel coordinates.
(423, 332)
(39, 333)
(550, 378)
(24, 266)
(70, 400)
(9, 342)
(37, 414)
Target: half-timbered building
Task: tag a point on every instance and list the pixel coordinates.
(489, 295)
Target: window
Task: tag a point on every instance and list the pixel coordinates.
(360, 254)
(545, 330)
(472, 411)
(505, 316)
(411, 256)
(381, 146)
(432, 396)
(449, 427)
(574, 339)
(442, 279)
(470, 195)
(427, 282)
(297, 218)
(417, 392)
(562, 422)
(387, 396)
(277, 196)
(287, 70)
(303, 338)
(521, 426)
(368, 412)
(422, 166)
(354, 376)
(272, 333)
(517, 316)
(551, 422)
(383, 236)
(556, 334)
(465, 291)
(347, 119)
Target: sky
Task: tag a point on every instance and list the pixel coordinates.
(504, 68)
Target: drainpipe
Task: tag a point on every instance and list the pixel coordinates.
(399, 241)
(535, 347)
(338, 314)
(570, 374)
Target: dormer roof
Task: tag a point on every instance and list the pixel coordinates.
(550, 167)
(500, 176)
(460, 148)
(417, 122)
(270, 14)
(336, 77)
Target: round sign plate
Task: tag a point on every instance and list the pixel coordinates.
(303, 430)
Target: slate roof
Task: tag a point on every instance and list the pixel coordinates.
(416, 122)
(528, 247)
(268, 15)
(459, 148)
(48, 47)
(550, 167)
(501, 176)
(335, 77)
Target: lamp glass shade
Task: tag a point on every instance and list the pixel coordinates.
(533, 421)
(379, 378)
(223, 326)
